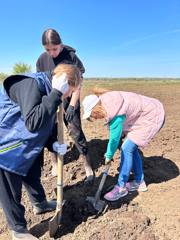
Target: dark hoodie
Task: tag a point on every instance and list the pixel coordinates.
(68, 56)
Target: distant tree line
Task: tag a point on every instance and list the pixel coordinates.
(18, 68)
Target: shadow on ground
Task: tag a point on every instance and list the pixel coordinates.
(157, 169)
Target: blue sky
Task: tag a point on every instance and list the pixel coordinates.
(113, 38)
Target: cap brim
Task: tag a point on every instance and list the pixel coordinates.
(86, 115)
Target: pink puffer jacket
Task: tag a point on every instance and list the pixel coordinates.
(144, 115)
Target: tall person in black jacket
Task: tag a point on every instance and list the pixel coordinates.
(57, 53)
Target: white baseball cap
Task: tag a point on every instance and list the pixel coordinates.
(88, 103)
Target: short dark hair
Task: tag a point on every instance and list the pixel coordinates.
(51, 36)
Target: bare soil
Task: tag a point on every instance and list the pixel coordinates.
(152, 215)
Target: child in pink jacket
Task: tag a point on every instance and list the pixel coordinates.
(140, 118)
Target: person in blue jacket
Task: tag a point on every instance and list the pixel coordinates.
(27, 124)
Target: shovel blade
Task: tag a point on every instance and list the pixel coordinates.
(56, 220)
(97, 204)
(54, 224)
(100, 206)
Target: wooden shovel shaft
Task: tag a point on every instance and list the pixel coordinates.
(55, 221)
(60, 160)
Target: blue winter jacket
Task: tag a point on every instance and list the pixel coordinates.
(18, 146)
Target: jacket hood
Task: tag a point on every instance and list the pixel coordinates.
(69, 49)
(112, 103)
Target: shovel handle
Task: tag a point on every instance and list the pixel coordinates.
(105, 173)
(60, 159)
(55, 221)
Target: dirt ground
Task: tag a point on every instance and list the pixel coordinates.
(153, 215)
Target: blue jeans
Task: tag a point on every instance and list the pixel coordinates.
(130, 160)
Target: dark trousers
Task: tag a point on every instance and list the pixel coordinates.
(75, 129)
(11, 193)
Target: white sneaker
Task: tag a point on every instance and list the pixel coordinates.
(23, 236)
(134, 186)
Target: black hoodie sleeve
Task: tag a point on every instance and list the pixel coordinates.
(44, 63)
(77, 62)
(70, 54)
(36, 109)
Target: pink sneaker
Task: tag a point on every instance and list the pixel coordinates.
(134, 186)
(116, 193)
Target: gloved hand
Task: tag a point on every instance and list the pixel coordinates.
(70, 113)
(61, 149)
(60, 83)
